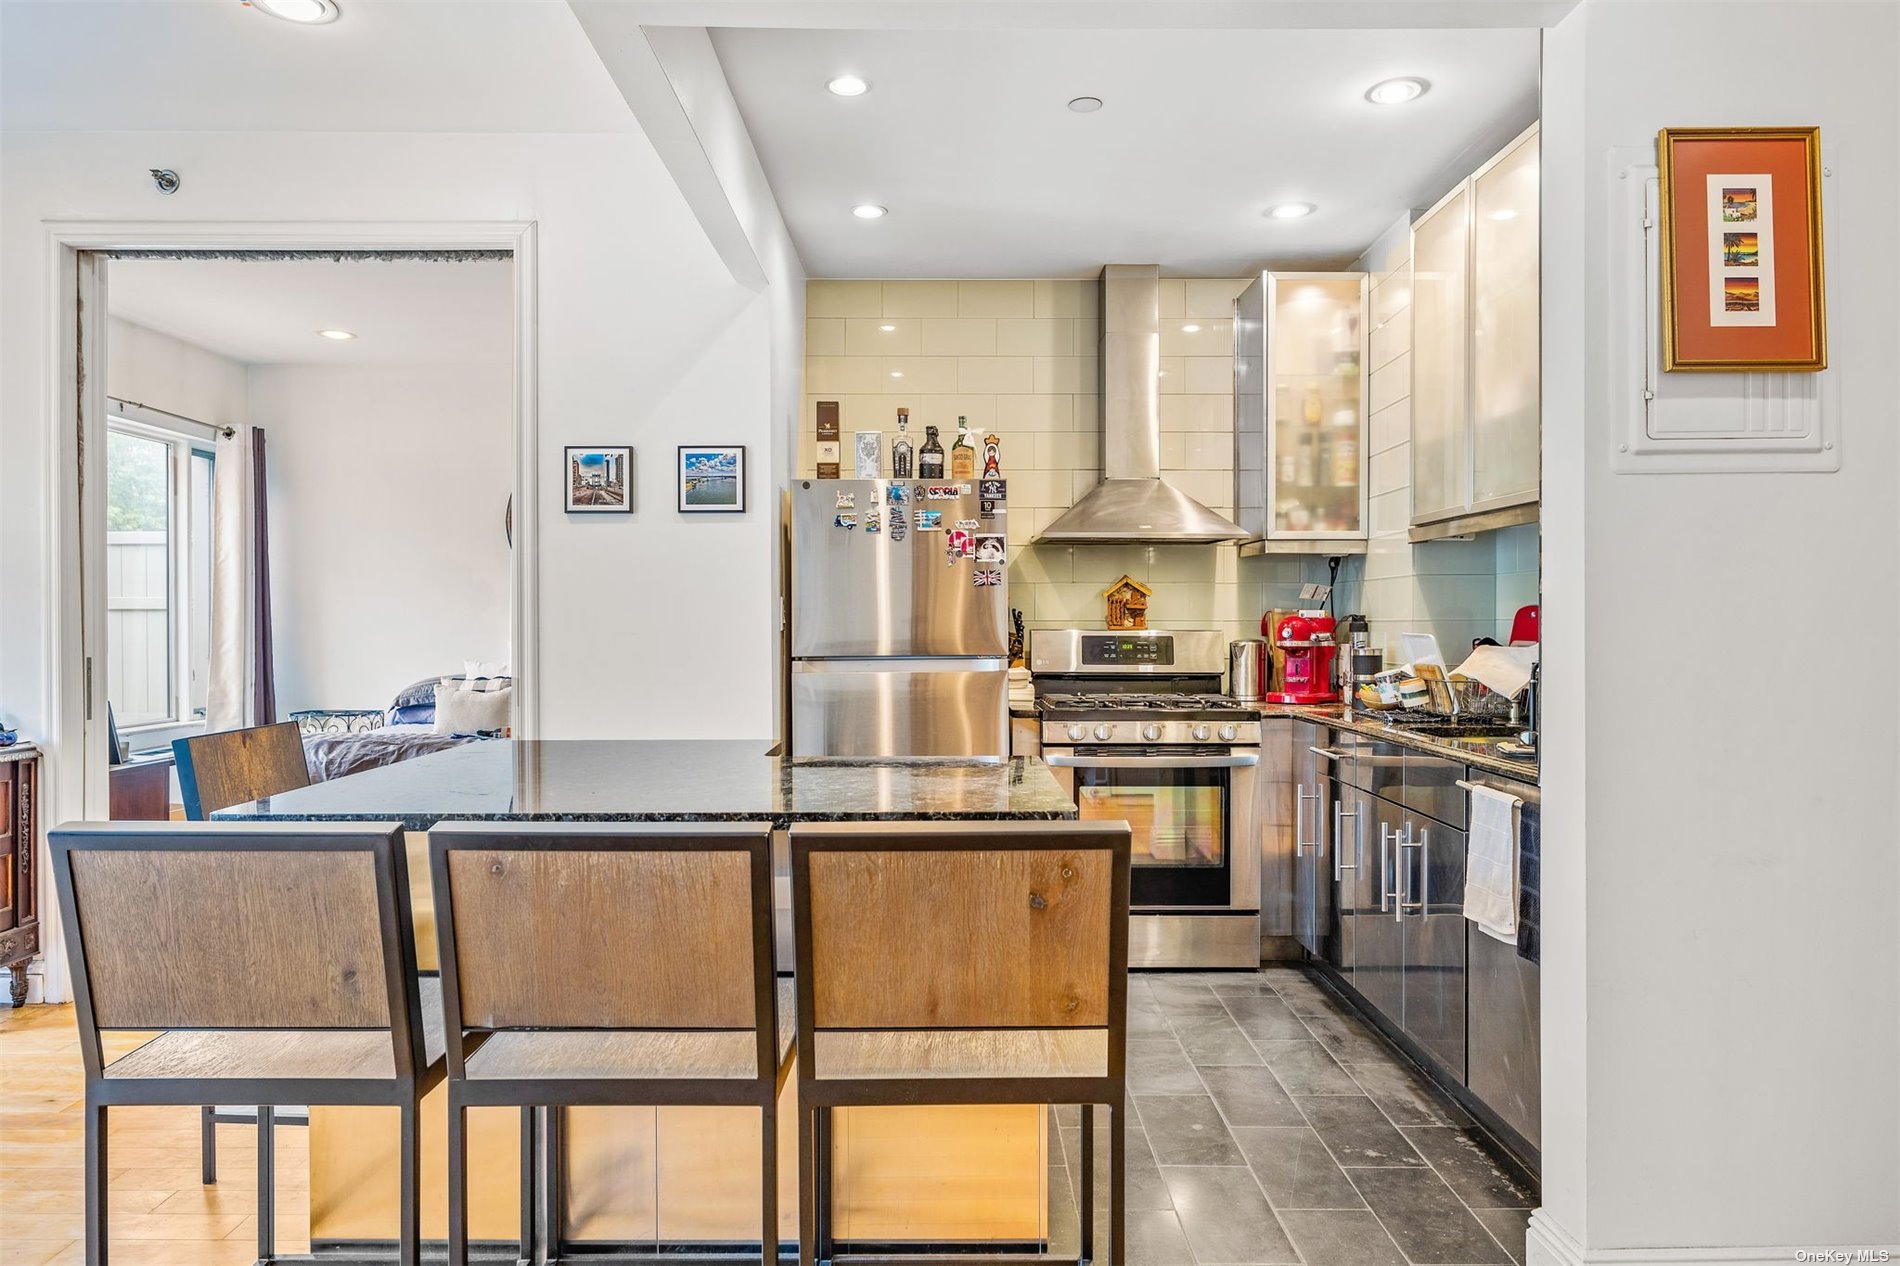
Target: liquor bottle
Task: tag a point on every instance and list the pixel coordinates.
(930, 456)
(900, 447)
(963, 453)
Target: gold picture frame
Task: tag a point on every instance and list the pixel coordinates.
(1725, 236)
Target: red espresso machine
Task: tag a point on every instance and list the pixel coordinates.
(1306, 637)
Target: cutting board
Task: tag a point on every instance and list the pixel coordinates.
(1276, 675)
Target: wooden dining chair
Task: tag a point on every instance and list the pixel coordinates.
(216, 771)
(274, 961)
(600, 963)
(960, 963)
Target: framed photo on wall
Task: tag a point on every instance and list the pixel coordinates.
(712, 479)
(599, 479)
(1741, 249)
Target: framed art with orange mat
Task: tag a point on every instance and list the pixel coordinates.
(1741, 249)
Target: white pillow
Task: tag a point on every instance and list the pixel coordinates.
(469, 711)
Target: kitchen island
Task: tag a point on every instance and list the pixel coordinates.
(682, 1177)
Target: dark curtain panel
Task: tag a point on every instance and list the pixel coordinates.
(266, 697)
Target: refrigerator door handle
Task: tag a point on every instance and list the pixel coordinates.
(901, 664)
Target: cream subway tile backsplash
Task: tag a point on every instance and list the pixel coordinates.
(824, 336)
(1019, 359)
(1033, 336)
(996, 298)
(959, 336)
(918, 299)
(866, 336)
(1391, 426)
(1211, 375)
(844, 298)
(995, 375)
(1211, 296)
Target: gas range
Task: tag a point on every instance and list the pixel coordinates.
(1133, 723)
(1151, 719)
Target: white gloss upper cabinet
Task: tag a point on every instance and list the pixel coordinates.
(1475, 318)
(1504, 329)
(1441, 250)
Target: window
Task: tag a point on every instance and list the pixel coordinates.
(158, 577)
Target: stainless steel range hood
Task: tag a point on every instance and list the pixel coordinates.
(1133, 503)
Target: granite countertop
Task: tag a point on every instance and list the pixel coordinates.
(715, 780)
(1358, 723)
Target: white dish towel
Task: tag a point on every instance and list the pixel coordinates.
(1491, 863)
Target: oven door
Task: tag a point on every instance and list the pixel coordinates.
(1194, 817)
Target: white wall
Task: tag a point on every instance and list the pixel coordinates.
(1721, 984)
(630, 296)
(387, 488)
(146, 367)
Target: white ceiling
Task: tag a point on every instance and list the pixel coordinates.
(384, 66)
(966, 137)
(268, 312)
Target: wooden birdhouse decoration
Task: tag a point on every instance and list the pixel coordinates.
(1127, 604)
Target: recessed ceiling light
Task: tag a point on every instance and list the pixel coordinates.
(341, 336)
(897, 373)
(308, 12)
(1291, 210)
(1504, 213)
(1397, 91)
(887, 328)
(870, 211)
(849, 86)
(1190, 328)
(1085, 105)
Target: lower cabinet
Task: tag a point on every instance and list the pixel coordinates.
(1406, 925)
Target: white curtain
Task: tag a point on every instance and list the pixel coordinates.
(231, 694)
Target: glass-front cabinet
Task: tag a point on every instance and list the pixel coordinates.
(1300, 412)
(1476, 423)
(1505, 374)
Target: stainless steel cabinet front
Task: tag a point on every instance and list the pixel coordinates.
(1432, 907)
(1378, 968)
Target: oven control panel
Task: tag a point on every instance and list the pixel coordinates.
(1127, 650)
(1152, 733)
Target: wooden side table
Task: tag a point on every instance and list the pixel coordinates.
(19, 876)
(141, 789)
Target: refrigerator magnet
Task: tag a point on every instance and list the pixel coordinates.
(873, 521)
(959, 543)
(993, 489)
(897, 524)
(896, 494)
(942, 492)
(930, 520)
(847, 501)
(969, 525)
(987, 577)
(845, 521)
(990, 549)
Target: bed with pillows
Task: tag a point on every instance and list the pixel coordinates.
(432, 715)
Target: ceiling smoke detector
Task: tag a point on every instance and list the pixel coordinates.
(1085, 105)
(302, 12)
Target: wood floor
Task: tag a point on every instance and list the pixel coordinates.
(161, 1214)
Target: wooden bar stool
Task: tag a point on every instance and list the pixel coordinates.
(216, 771)
(960, 963)
(277, 964)
(596, 963)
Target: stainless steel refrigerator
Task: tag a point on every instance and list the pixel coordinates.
(900, 605)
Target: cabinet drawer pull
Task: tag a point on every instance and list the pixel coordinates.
(1423, 845)
(1340, 864)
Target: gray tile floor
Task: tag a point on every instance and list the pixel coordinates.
(1271, 1125)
